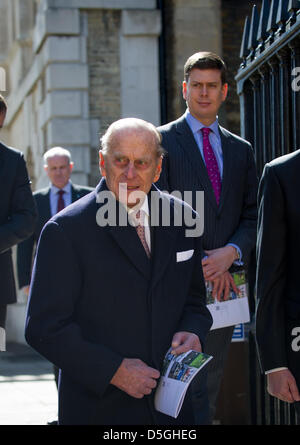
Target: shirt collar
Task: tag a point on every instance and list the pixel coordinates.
(144, 207)
(66, 188)
(196, 125)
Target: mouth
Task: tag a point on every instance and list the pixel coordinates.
(133, 187)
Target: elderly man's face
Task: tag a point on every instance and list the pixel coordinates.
(59, 170)
(131, 160)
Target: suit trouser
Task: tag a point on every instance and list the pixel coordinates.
(217, 344)
(3, 308)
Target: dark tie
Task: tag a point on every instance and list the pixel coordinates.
(140, 228)
(60, 201)
(211, 164)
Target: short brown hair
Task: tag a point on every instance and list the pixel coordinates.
(205, 60)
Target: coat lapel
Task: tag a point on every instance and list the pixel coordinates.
(164, 239)
(75, 193)
(187, 143)
(228, 168)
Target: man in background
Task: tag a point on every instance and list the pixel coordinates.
(202, 155)
(60, 193)
(277, 285)
(17, 217)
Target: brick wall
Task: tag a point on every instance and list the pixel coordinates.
(103, 54)
(233, 19)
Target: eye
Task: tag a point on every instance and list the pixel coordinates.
(121, 161)
(141, 163)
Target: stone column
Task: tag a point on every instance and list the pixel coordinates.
(140, 65)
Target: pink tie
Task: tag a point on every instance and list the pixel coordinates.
(211, 164)
(60, 201)
(140, 228)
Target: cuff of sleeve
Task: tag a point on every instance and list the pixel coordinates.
(275, 369)
(239, 261)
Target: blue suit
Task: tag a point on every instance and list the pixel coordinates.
(108, 301)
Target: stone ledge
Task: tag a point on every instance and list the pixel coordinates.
(59, 21)
(141, 23)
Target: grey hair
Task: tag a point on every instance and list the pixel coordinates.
(128, 124)
(56, 151)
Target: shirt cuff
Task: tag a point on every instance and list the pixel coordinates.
(275, 369)
(239, 261)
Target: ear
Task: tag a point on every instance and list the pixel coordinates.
(102, 163)
(71, 166)
(224, 91)
(184, 89)
(158, 170)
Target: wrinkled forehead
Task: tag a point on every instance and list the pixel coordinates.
(133, 140)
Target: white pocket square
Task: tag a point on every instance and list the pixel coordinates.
(184, 256)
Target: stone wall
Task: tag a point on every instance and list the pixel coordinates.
(233, 19)
(103, 55)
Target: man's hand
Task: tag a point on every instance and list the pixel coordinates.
(282, 384)
(135, 378)
(222, 286)
(184, 341)
(218, 261)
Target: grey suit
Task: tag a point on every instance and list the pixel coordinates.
(233, 221)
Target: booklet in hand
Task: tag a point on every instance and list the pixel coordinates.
(235, 309)
(176, 375)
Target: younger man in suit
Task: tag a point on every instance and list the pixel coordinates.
(17, 218)
(60, 193)
(202, 155)
(124, 293)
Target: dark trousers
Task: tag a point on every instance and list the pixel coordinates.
(3, 310)
(206, 388)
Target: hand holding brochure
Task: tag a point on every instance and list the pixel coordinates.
(176, 375)
(235, 309)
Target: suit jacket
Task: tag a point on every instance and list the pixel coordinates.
(26, 249)
(109, 301)
(17, 215)
(278, 247)
(234, 220)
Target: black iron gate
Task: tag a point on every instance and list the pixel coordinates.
(268, 83)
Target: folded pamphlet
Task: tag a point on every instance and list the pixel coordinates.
(235, 309)
(176, 375)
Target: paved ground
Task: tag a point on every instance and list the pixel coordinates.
(27, 389)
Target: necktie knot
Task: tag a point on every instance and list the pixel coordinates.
(205, 131)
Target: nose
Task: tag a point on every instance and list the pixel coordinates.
(130, 171)
(204, 90)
